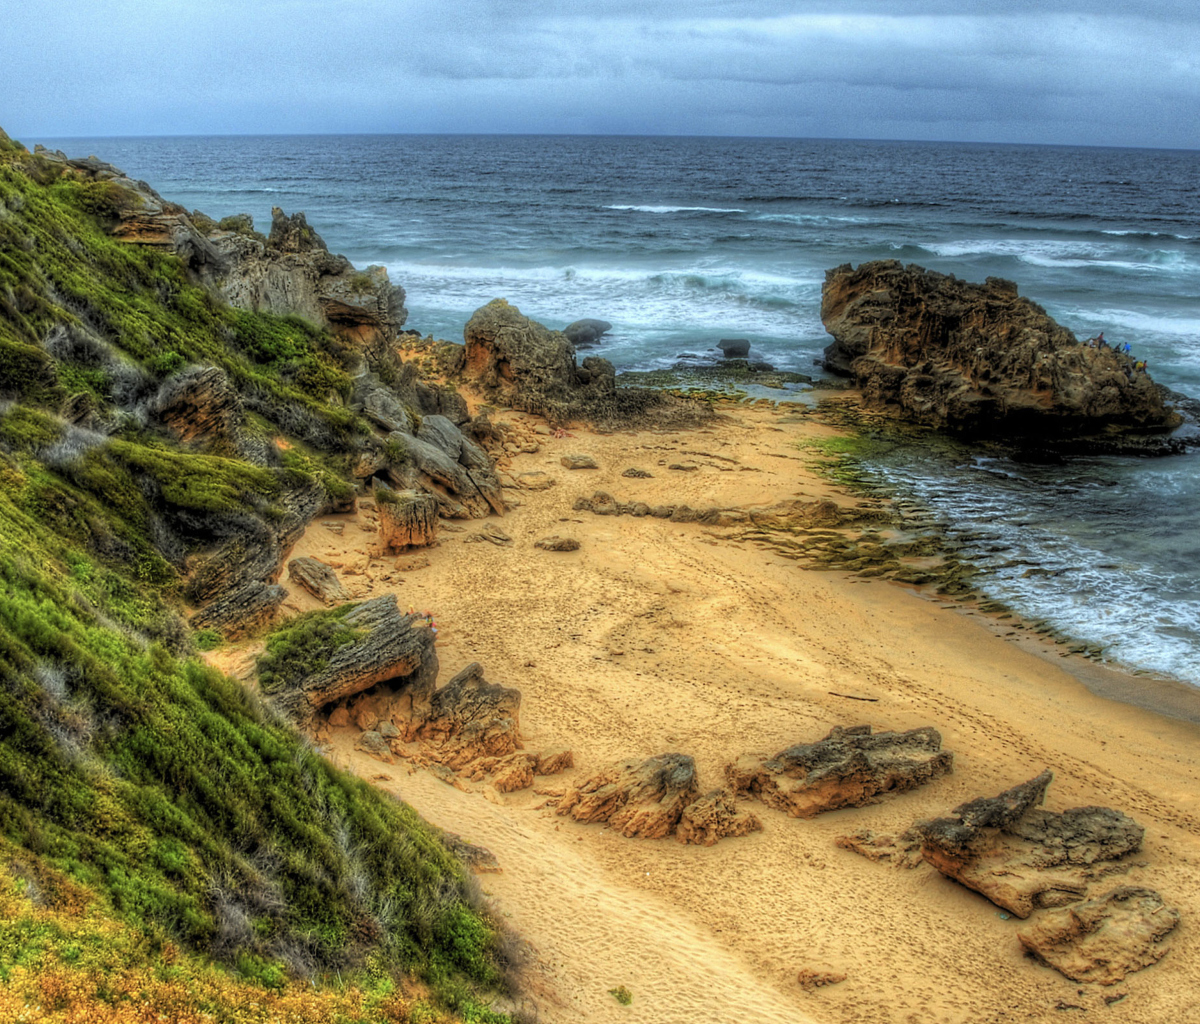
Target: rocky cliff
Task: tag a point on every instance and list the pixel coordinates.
(979, 359)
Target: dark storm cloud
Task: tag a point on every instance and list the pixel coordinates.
(1088, 71)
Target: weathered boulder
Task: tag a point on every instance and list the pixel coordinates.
(390, 646)
(1023, 858)
(470, 718)
(712, 817)
(557, 543)
(977, 358)
(848, 768)
(578, 460)
(734, 348)
(407, 519)
(1104, 939)
(583, 333)
(644, 798)
(318, 579)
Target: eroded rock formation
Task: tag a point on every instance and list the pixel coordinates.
(1103, 939)
(1022, 857)
(848, 768)
(318, 579)
(655, 798)
(978, 358)
(407, 519)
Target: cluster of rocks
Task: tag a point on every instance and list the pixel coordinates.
(384, 681)
(781, 515)
(655, 798)
(1024, 858)
(979, 359)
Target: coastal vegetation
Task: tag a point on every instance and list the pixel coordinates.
(168, 844)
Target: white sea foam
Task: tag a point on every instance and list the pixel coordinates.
(1069, 254)
(675, 209)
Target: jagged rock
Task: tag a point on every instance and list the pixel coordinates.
(407, 519)
(977, 358)
(641, 474)
(586, 332)
(557, 543)
(578, 461)
(848, 768)
(510, 353)
(713, 817)
(241, 611)
(1023, 858)
(318, 579)
(199, 404)
(1105, 939)
(508, 774)
(523, 364)
(436, 400)
(470, 718)
(391, 647)
(381, 405)
(644, 799)
(734, 348)
(294, 274)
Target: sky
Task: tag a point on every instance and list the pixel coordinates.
(1080, 72)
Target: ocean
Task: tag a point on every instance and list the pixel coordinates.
(680, 242)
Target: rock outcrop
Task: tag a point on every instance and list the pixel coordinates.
(645, 798)
(521, 363)
(656, 798)
(978, 358)
(391, 647)
(470, 718)
(848, 768)
(407, 519)
(1023, 858)
(200, 404)
(1104, 939)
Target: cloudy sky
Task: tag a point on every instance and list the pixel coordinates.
(1093, 72)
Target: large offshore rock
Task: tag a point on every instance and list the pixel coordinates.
(391, 647)
(1105, 939)
(1023, 858)
(587, 331)
(848, 768)
(644, 798)
(978, 358)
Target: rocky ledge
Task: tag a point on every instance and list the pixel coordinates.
(980, 360)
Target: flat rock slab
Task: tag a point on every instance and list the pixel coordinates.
(535, 480)
(318, 579)
(848, 768)
(1104, 939)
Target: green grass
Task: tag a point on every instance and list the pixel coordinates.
(129, 769)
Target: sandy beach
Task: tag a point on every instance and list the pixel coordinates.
(657, 637)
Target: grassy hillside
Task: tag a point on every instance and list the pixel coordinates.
(152, 812)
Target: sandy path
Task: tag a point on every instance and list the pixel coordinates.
(659, 637)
